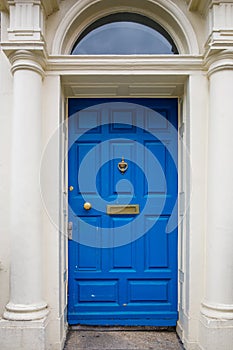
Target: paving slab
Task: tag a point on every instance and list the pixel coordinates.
(122, 339)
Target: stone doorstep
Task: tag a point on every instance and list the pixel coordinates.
(121, 328)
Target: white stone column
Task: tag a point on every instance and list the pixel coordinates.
(217, 308)
(26, 302)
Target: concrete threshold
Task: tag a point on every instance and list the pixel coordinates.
(122, 338)
(121, 328)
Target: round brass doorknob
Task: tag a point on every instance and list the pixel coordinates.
(87, 206)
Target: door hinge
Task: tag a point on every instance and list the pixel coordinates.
(181, 130)
(70, 230)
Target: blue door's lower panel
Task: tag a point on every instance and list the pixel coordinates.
(145, 301)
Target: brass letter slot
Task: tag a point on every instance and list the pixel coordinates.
(123, 209)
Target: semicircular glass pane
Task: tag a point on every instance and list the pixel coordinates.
(124, 38)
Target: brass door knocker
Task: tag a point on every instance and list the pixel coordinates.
(122, 166)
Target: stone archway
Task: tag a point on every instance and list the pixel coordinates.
(167, 14)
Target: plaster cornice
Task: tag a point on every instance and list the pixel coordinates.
(125, 64)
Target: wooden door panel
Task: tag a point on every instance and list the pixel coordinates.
(136, 283)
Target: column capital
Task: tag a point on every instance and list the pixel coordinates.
(219, 61)
(25, 59)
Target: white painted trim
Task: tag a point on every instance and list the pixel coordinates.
(130, 64)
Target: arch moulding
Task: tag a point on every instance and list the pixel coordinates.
(85, 12)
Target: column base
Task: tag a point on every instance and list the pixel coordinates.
(23, 335)
(216, 327)
(217, 311)
(18, 312)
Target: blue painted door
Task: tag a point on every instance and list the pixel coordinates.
(123, 266)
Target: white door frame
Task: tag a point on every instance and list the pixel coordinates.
(180, 77)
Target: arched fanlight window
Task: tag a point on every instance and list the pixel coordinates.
(124, 34)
